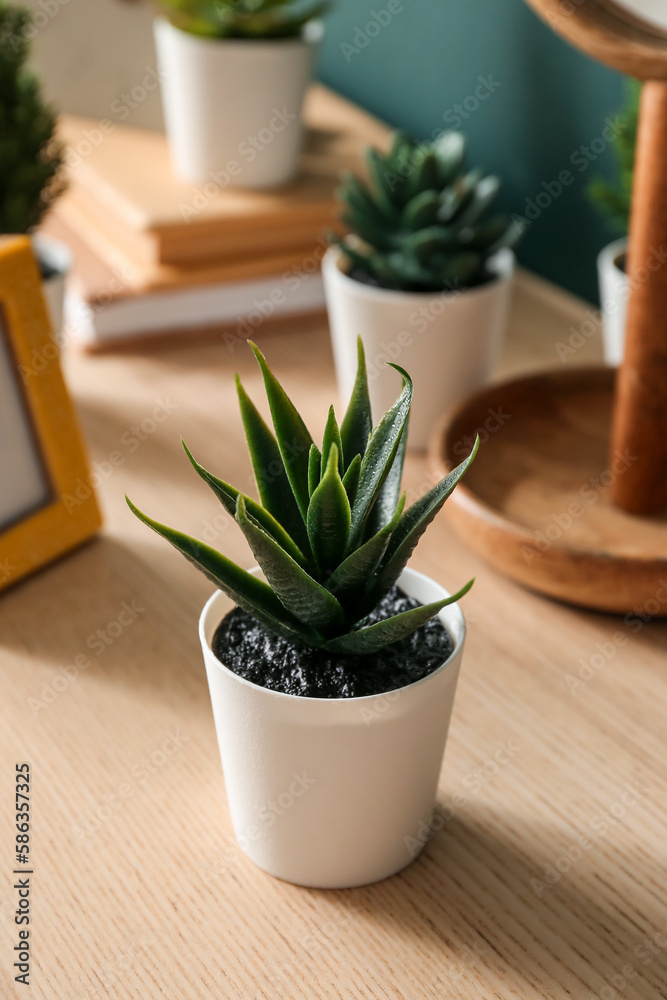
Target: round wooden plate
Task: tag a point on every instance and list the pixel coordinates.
(535, 502)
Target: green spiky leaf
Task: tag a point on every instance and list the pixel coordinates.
(351, 478)
(314, 468)
(415, 521)
(292, 435)
(422, 210)
(329, 516)
(379, 456)
(356, 196)
(390, 491)
(356, 534)
(358, 421)
(303, 596)
(421, 220)
(483, 196)
(271, 478)
(355, 572)
(228, 496)
(383, 184)
(248, 591)
(332, 438)
(374, 637)
(449, 149)
(424, 176)
(361, 224)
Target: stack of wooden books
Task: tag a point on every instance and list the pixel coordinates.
(156, 255)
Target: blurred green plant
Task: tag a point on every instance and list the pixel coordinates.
(421, 218)
(242, 18)
(330, 532)
(613, 198)
(30, 156)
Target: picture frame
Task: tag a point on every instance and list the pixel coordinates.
(47, 502)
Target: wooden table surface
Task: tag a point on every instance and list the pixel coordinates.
(546, 877)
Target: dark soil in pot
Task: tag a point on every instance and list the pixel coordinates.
(621, 261)
(253, 652)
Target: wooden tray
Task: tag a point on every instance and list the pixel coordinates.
(535, 503)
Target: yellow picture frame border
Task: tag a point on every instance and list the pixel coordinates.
(59, 526)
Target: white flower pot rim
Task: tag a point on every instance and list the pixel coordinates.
(311, 33)
(364, 699)
(501, 265)
(612, 251)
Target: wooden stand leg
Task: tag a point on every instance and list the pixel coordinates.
(640, 413)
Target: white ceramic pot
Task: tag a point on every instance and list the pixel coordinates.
(55, 258)
(332, 793)
(232, 107)
(614, 289)
(450, 343)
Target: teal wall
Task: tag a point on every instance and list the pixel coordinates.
(547, 102)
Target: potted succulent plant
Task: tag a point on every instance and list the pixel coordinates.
(30, 157)
(613, 199)
(332, 680)
(425, 274)
(233, 79)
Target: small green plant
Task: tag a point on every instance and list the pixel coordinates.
(422, 218)
(613, 198)
(30, 156)
(242, 18)
(330, 534)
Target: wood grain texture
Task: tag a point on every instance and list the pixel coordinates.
(109, 242)
(156, 901)
(610, 33)
(640, 415)
(537, 502)
(615, 36)
(97, 266)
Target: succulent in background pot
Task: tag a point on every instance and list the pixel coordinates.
(425, 275)
(613, 200)
(332, 681)
(233, 77)
(30, 157)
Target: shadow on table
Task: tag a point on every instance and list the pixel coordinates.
(486, 907)
(480, 906)
(131, 620)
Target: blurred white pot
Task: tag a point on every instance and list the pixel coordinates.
(333, 793)
(450, 343)
(55, 261)
(614, 289)
(232, 107)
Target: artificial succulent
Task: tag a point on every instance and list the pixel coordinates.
(242, 18)
(422, 218)
(330, 531)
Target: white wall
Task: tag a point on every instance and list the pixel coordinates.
(96, 58)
